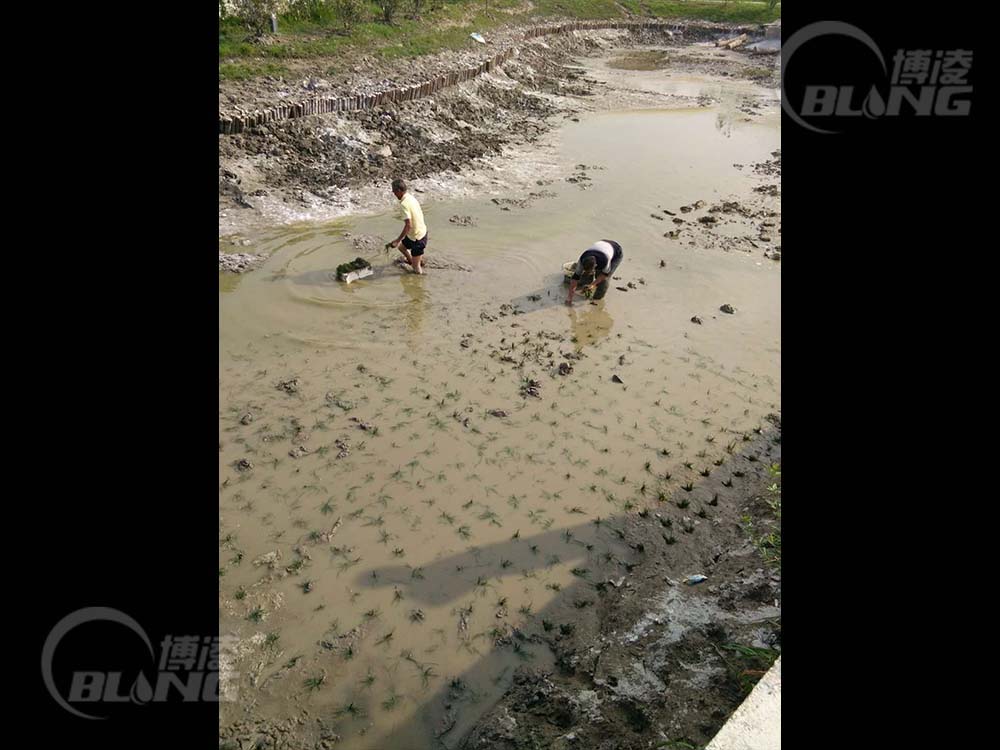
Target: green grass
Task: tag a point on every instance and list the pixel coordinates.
(746, 665)
(708, 10)
(583, 9)
(444, 25)
(767, 536)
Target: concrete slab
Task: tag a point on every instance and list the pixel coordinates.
(756, 724)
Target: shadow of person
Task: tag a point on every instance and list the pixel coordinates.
(450, 713)
(575, 625)
(456, 576)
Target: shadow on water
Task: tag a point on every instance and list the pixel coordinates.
(446, 717)
(603, 551)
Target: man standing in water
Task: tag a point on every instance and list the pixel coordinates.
(595, 267)
(414, 234)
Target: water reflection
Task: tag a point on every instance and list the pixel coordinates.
(417, 302)
(590, 323)
(229, 281)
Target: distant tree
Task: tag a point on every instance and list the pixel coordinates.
(348, 12)
(388, 8)
(256, 14)
(310, 10)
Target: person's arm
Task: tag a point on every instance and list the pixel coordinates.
(572, 290)
(406, 230)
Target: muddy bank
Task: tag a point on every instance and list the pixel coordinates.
(650, 657)
(296, 166)
(368, 74)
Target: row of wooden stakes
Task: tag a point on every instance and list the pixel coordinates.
(244, 120)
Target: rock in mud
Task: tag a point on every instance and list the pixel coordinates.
(366, 426)
(270, 559)
(696, 319)
(246, 418)
(728, 309)
(616, 379)
(288, 386)
(565, 368)
(244, 464)
(463, 221)
(239, 262)
(531, 388)
(497, 413)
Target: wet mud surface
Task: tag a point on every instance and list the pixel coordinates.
(455, 512)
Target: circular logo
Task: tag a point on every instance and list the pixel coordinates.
(66, 624)
(812, 31)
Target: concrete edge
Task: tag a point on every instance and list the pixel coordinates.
(756, 724)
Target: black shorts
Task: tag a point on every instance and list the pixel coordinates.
(416, 247)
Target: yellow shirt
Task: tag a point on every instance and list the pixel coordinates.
(410, 209)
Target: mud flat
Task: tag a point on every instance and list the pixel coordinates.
(455, 512)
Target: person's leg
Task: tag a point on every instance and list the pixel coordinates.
(602, 289)
(418, 254)
(404, 248)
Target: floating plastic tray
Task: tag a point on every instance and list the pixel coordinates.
(361, 273)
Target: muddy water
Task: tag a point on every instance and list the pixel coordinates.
(415, 532)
